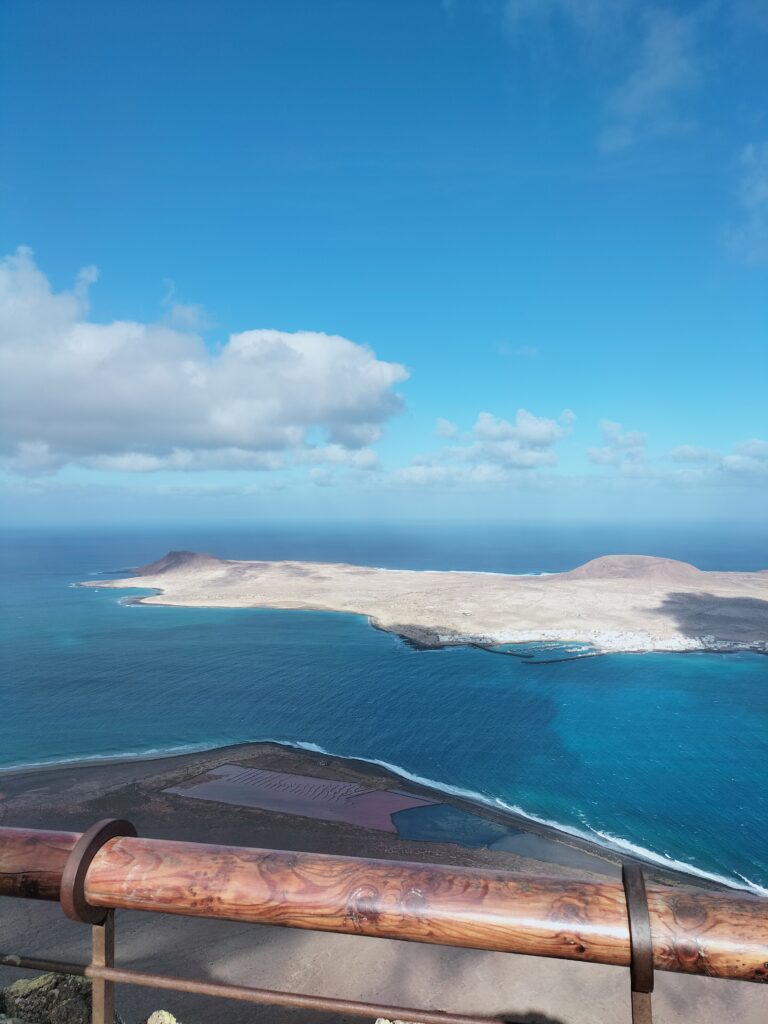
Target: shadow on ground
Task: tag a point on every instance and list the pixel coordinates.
(532, 1018)
(725, 618)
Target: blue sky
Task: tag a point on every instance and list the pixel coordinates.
(403, 259)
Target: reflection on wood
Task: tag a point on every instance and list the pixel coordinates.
(32, 861)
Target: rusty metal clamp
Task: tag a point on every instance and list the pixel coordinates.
(640, 943)
(73, 901)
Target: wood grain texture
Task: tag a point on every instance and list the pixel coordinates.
(32, 861)
(694, 931)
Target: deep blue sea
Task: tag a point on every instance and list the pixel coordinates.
(664, 755)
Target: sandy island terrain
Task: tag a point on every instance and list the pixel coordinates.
(172, 798)
(614, 603)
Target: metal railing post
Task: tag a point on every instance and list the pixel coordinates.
(101, 920)
(103, 955)
(641, 965)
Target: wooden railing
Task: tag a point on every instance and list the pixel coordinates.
(647, 928)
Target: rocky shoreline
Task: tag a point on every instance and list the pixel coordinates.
(599, 642)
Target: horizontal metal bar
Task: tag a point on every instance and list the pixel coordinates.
(33, 963)
(275, 998)
(243, 993)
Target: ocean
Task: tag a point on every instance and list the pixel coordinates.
(661, 755)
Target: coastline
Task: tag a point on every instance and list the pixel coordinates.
(426, 638)
(99, 776)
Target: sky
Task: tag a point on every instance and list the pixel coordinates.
(499, 260)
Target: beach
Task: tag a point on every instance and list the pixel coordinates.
(158, 795)
(617, 603)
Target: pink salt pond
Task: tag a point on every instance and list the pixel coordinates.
(309, 797)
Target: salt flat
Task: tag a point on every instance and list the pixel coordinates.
(615, 603)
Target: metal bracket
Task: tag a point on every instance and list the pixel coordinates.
(73, 901)
(640, 943)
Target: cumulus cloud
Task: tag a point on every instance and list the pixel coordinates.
(492, 450)
(622, 449)
(695, 465)
(749, 457)
(150, 396)
(528, 431)
(748, 239)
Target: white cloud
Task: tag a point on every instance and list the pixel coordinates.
(336, 454)
(448, 476)
(656, 47)
(622, 449)
(446, 428)
(595, 17)
(321, 477)
(185, 459)
(528, 431)
(755, 449)
(493, 450)
(749, 238)
(144, 397)
(184, 316)
(667, 67)
(524, 444)
(749, 457)
(694, 453)
(626, 452)
(188, 317)
(521, 351)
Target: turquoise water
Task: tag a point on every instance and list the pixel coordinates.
(659, 753)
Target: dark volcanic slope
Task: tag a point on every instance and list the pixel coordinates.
(180, 560)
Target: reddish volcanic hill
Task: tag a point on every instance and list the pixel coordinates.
(636, 567)
(180, 560)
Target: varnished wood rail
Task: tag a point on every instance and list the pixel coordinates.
(694, 931)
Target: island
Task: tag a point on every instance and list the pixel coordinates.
(615, 603)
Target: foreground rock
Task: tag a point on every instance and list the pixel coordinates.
(49, 999)
(614, 603)
(56, 999)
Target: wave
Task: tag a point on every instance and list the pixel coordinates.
(596, 837)
(127, 755)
